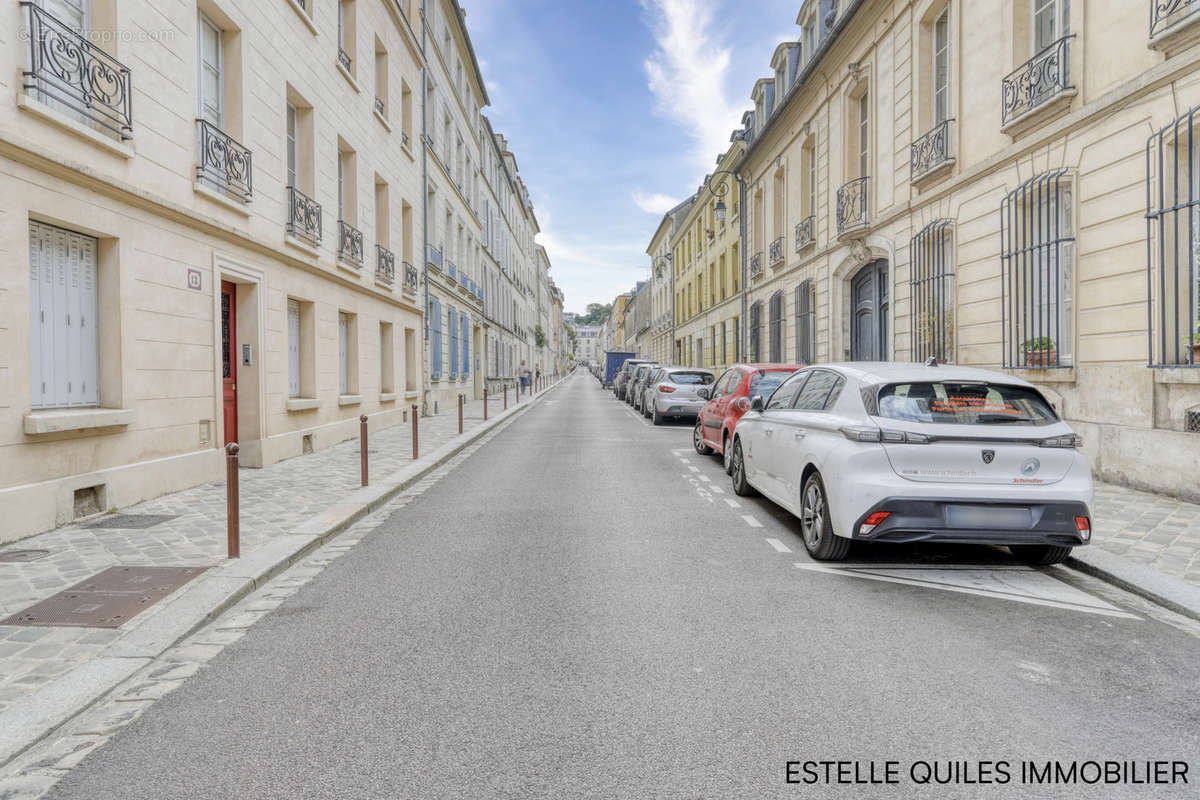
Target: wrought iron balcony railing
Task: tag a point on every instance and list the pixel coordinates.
(1039, 80)
(756, 265)
(379, 106)
(775, 252)
(223, 163)
(931, 151)
(304, 217)
(385, 264)
(852, 205)
(404, 138)
(410, 278)
(350, 244)
(806, 232)
(1168, 14)
(344, 59)
(66, 69)
(434, 257)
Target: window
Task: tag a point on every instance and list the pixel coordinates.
(1173, 234)
(410, 360)
(212, 83)
(819, 392)
(1051, 22)
(64, 315)
(1037, 254)
(382, 213)
(293, 344)
(864, 136)
(810, 39)
(347, 353)
(809, 158)
(940, 71)
(406, 114)
(765, 384)
(974, 403)
(932, 289)
(381, 79)
(387, 359)
(785, 394)
(805, 322)
(775, 312)
(292, 136)
(724, 345)
(347, 33)
(755, 333)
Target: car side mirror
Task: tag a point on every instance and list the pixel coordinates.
(703, 392)
(756, 403)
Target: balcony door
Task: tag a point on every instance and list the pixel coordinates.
(869, 309)
(77, 16)
(1050, 22)
(229, 359)
(211, 76)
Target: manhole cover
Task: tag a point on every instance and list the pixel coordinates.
(130, 521)
(107, 599)
(21, 556)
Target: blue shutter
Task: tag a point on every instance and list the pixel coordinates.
(435, 342)
(453, 320)
(466, 346)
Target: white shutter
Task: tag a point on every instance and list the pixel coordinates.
(343, 371)
(293, 344)
(64, 349)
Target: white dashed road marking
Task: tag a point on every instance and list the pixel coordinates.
(694, 469)
(751, 521)
(705, 478)
(718, 489)
(779, 546)
(731, 503)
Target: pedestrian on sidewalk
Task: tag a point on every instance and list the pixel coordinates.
(524, 376)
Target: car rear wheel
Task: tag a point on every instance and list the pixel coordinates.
(698, 439)
(1039, 555)
(816, 526)
(727, 455)
(741, 486)
(657, 418)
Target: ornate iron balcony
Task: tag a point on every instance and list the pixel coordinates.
(434, 257)
(344, 59)
(410, 278)
(404, 138)
(1166, 14)
(806, 232)
(65, 68)
(304, 217)
(756, 265)
(379, 105)
(385, 264)
(350, 244)
(775, 251)
(931, 151)
(1037, 81)
(223, 163)
(852, 205)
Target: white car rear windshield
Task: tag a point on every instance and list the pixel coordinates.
(966, 403)
(690, 378)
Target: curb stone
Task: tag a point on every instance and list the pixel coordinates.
(1164, 590)
(41, 712)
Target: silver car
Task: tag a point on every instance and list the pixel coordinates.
(672, 394)
(633, 394)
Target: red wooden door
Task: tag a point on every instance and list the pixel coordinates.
(229, 358)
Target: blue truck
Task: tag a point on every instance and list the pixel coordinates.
(613, 359)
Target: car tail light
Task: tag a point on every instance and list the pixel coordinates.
(905, 437)
(1084, 526)
(1070, 440)
(662, 387)
(862, 434)
(872, 522)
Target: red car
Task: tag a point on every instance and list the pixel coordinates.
(728, 399)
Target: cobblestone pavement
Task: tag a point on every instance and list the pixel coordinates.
(273, 500)
(36, 771)
(1150, 529)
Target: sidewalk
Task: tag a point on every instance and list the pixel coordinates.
(286, 509)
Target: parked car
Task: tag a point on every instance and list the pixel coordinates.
(673, 395)
(638, 391)
(621, 381)
(640, 372)
(647, 391)
(728, 399)
(886, 452)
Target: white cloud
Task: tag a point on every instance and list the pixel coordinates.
(653, 203)
(687, 74)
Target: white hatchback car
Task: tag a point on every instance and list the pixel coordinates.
(889, 452)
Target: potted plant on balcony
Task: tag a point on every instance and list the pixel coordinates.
(1040, 352)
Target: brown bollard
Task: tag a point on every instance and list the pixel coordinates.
(362, 446)
(506, 396)
(414, 419)
(460, 412)
(485, 405)
(232, 534)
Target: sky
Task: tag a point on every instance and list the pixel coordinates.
(615, 111)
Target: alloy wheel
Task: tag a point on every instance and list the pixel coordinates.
(813, 513)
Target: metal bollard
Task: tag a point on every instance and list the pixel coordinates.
(362, 446)
(232, 534)
(460, 412)
(414, 419)
(506, 396)
(485, 405)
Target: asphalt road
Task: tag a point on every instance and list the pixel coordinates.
(577, 612)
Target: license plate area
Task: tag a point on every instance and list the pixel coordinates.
(993, 517)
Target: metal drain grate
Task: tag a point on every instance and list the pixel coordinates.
(107, 599)
(21, 556)
(131, 521)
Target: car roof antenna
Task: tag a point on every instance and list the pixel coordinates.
(932, 361)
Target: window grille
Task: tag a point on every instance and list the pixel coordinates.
(755, 332)
(806, 322)
(1037, 273)
(1173, 243)
(775, 313)
(932, 286)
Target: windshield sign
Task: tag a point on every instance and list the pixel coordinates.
(964, 404)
